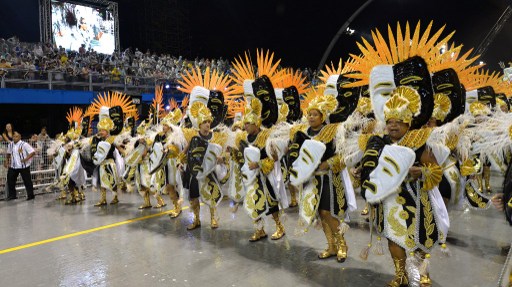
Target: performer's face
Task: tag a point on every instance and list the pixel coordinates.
(165, 128)
(103, 134)
(204, 127)
(250, 128)
(396, 129)
(314, 119)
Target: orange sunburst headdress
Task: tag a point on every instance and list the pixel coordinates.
(267, 67)
(480, 86)
(236, 108)
(74, 118)
(158, 101)
(193, 84)
(198, 86)
(210, 89)
(243, 75)
(294, 79)
(244, 72)
(504, 87)
(401, 60)
(396, 49)
(331, 74)
(452, 59)
(102, 103)
(449, 69)
(482, 78)
(288, 91)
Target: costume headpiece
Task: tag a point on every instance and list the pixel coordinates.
(442, 106)
(114, 106)
(172, 118)
(479, 109)
(404, 104)
(261, 85)
(330, 76)
(448, 68)
(243, 76)
(335, 80)
(105, 124)
(199, 113)
(209, 89)
(502, 101)
(364, 106)
(401, 60)
(325, 104)
(158, 103)
(253, 113)
(293, 85)
(480, 87)
(74, 117)
(236, 108)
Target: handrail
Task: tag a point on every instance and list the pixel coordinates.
(92, 81)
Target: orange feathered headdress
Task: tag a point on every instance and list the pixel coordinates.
(399, 47)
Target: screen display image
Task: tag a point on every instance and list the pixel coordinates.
(76, 25)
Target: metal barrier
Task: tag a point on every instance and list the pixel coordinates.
(41, 169)
(62, 80)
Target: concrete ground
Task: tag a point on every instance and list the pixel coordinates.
(46, 243)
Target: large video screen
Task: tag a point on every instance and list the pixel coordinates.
(76, 25)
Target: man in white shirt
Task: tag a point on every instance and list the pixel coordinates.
(19, 158)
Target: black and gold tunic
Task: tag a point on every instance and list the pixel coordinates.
(408, 217)
(330, 185)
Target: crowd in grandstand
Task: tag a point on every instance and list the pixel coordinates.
(34, 57)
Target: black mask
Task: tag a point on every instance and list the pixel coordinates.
(447, 82)
(85, 126)
(264, 91)
(487, 96)
(116, 114)
(292, 99)
(414, 72)
(347, 100)
(216, 106)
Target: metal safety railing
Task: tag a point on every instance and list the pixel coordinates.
(63, 80)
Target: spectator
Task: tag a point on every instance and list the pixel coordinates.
(8, 134)
(4, 64)
(37, 160)
(19, 158)
(115, 73)
(43, 135)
